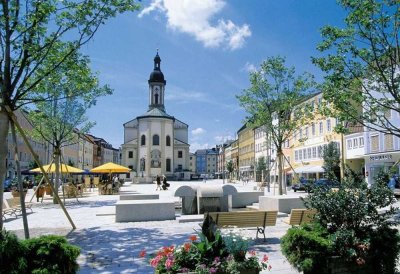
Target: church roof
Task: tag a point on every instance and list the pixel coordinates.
(156, 75)
(156, 113)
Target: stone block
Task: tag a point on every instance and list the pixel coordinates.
(282, 203)
(144, 210)
(243, 199)
(139, 197)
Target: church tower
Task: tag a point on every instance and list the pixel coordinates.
(156, 86)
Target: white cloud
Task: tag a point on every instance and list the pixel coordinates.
(249, 67)
(194, 18)
(222, 138)
(195, 146)
(198, 131)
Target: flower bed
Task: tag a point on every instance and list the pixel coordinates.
(209, 252)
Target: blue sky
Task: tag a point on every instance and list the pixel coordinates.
(207, 48)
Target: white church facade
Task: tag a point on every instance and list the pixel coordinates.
(156, 143)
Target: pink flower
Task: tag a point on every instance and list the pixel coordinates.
(169, 263)
(252, 252)
(154, 262)
(265, 258)
(269, 267)
(212, 270)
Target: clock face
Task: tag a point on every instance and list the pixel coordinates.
(156, 89)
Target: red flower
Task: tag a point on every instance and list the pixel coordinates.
(187, 246)
(193, 238)
(265, 258)
(142, 253)
(269, 267)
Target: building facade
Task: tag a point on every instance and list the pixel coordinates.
(246, 152)
(206, 162)
(156, 143)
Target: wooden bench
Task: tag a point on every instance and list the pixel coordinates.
(301, 216)
(259, 219)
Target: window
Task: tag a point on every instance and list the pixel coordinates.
(156, 140)
(319, 151)
(314, 152)
(355, 143)
(349, 144)
(313, 129)
(143, 140)
(296, 155)
(168, 141)
(306, 132)
(300, 155)
(130, 154)
(375, 143)
(361, 141)
(168, 165)
(309, 153)
(180, 154)
(321, 128)
(328, 125)
(305, 154)
(389, 142)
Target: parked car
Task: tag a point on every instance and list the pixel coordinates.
(303, 184)
(326, 183)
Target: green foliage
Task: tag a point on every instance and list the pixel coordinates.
(261, 164)
(331, 157)
(229, 166)
(361, 63)
(51, 254)
(307, 247)
(272, 101)
(12, 254)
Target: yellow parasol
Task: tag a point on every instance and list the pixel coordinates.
(110, 168)
(63, 169)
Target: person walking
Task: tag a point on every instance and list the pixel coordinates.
(158, 181)
(165, 184)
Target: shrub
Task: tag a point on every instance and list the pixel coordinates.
(51, 254)
(306, 247)
(12, 254)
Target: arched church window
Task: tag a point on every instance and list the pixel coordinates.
(168, 165)
(156, 140)
(156, 99)
(168, 141)
(143, 140)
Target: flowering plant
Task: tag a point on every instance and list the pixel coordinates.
(211, 252)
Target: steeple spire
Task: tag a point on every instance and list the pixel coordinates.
(157, 86)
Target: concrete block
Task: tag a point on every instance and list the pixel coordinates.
(243, 199)
(144, 210)
(282, 203)
(139, 197)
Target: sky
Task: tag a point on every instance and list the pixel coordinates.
(207, 49)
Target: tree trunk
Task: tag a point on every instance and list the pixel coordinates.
(4, 126)
(20, 183)
(280, 172)
(57, 156)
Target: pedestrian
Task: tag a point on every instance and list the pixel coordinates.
(158, 181)
(91, 184)
(165, 184)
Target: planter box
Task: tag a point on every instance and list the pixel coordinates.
(337, 265)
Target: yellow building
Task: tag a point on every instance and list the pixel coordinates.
(307, 142)
(246, 151)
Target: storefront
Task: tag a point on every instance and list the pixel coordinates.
(374, 163)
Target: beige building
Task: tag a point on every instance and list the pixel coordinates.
(246, 151)
(192, 162)
(308, 141)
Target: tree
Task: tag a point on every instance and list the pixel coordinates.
(362, 64)
(272, 100)
(331, 157)
(60, 116)
(229, 167)
(30, 35)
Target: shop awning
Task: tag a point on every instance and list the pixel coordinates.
(308, 169)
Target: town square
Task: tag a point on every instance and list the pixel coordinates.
(200, 136)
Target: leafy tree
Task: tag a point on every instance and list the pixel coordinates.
(261, 164)
(229, 167)
(331, 157)
(272, 101)
(362, 64)
(71, 89)
(31, 33)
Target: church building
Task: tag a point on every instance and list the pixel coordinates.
(156, 143)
